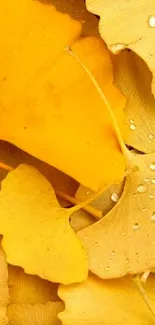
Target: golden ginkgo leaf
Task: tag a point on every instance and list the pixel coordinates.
(124, 25)
(36, 232)
(29, 289)
(39, 314)
(110, 302)
(4, 293)
(123, 241)
(133, 77)
(48, 112)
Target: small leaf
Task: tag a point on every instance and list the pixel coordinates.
(36, 231)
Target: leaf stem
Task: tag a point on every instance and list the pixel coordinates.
(143, 293)
(6, 167)
(94, 212)
(123, 147)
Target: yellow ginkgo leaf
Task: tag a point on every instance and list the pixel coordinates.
(128, 24)
(29, 289)
(107, 302)
(133, 77)
(39, 314)
(106, 201)
(123, 241)
(48, 112)
(36, 231)
(4, 294)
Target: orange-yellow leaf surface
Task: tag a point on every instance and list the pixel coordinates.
(53, 111)
(39, 314)
(98, 302)
(123, 241)
(36, 231)
(128, 24)
(4, 295)
(133, 78)
(29, 289)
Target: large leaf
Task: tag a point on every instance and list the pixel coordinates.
(53, 111)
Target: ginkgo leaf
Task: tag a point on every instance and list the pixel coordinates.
(48, 112)
(106, 302)
(106, 201)
(39, 314)
(133, 78)
(36, 231)
(114, 243)
(29, 289)
(128, 24)
(4, 294)
(123, 241)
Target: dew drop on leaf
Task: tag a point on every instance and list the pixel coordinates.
(153, 216)
(152, 21)
(141, 188)
(152, 166)
(136, 226)
(132, 127)
(114, 197)
(151, 136)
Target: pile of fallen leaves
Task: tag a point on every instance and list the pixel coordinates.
(77, 162)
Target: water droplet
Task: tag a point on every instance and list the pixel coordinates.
(153, 216)
(113, 253)
(110, 260)
(144, 208)
(107, 268)
(153, 180)
(141, 188)
(85, 237)
(151, 136)
(88, 192)
(123, 233)
(150, 56)
(114, 197)
(151, 196)
(152, 166)
(136, 226)
(116, 48)
(152, 21)
(96, 243)
(132, 127)
(146, 180)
